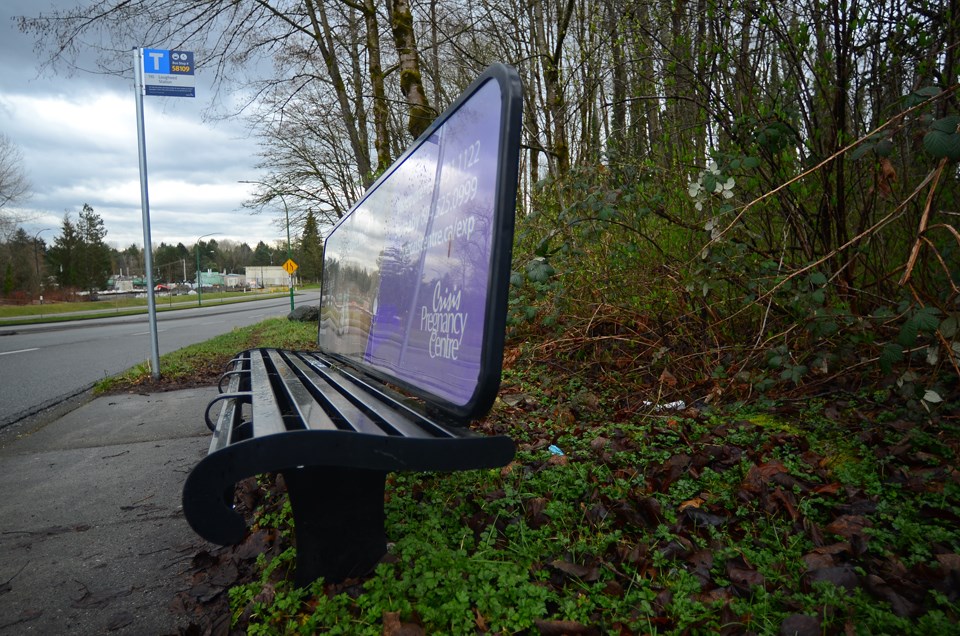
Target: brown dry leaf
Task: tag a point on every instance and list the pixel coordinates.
(848, 526)
(828, 489)
(696, 502)
(599, 443)
(825, 556)
(480, 621)
(581, 572)
(668, 378)
(393, 627)
(949, 561)
(787, 500)
(759, 476)
(843, 576)
(888, 174)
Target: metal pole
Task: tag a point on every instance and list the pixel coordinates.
(145, 207)
(196, 248)
(286, 211)
(36, 261)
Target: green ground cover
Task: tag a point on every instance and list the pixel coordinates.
(839, 516)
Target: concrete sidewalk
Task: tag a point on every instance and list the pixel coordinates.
(92, 536)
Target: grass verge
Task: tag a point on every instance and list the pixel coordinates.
(62, 312)
(201, 364)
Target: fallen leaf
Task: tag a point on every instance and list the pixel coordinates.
(392, 626)
(668, 378)
(949, 561)
(825, 556)
(842, 577)
(582, 572)
(696, 502)
(848, 526)
(901, 606)
(800, 625)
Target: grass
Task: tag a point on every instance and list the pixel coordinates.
(726, 522)
(54, 312)
(202, 363)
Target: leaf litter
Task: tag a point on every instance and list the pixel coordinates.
(825, 517)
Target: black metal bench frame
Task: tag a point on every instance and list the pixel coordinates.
(334, 428)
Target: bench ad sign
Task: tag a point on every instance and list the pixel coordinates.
(407, 271)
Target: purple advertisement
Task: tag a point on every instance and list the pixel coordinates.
(407, 272)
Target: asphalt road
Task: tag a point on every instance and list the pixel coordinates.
(42, 365)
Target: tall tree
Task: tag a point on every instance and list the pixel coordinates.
(411, 80)
(310, 250)
(14, 186)
(93, 266)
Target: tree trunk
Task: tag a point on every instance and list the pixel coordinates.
(411, 81)
(551, 63)
(324, 41)
(381, 113)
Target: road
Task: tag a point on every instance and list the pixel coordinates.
(41, 365)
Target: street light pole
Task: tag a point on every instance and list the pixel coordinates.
(286, 212)
(36, 261)
(196, 248)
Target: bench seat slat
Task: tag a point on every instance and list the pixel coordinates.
(266, 416)
(351, 416)
(393, 412)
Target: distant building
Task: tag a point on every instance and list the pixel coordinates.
(233, 281)
(264, 276)
(211, 279)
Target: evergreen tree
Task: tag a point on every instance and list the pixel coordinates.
(95, 263)
(262, 254)
(64, 254)
(79, 256)
(310, 250)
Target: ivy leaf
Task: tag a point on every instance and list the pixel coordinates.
(890, 355)
(884, 148)
(948, 328)
(940, 144)
(709, 182)
(861, 150)
(928, 91)
(818, 278)
(908, 334)
(539, 270)
(946, 124)
(927, 318)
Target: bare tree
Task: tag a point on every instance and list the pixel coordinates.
(14, 186)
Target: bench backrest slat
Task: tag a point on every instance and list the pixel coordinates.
(416, 275)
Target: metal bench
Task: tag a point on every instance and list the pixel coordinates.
(410, 346)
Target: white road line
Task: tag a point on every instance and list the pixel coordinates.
(7, 353)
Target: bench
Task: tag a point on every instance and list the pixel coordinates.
(410, 345)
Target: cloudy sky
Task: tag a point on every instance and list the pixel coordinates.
(78, 138)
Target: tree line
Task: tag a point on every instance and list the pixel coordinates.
(79, 259)
(785, 170)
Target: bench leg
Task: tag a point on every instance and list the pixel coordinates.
(339, 520)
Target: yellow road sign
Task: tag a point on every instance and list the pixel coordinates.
(290, 267)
